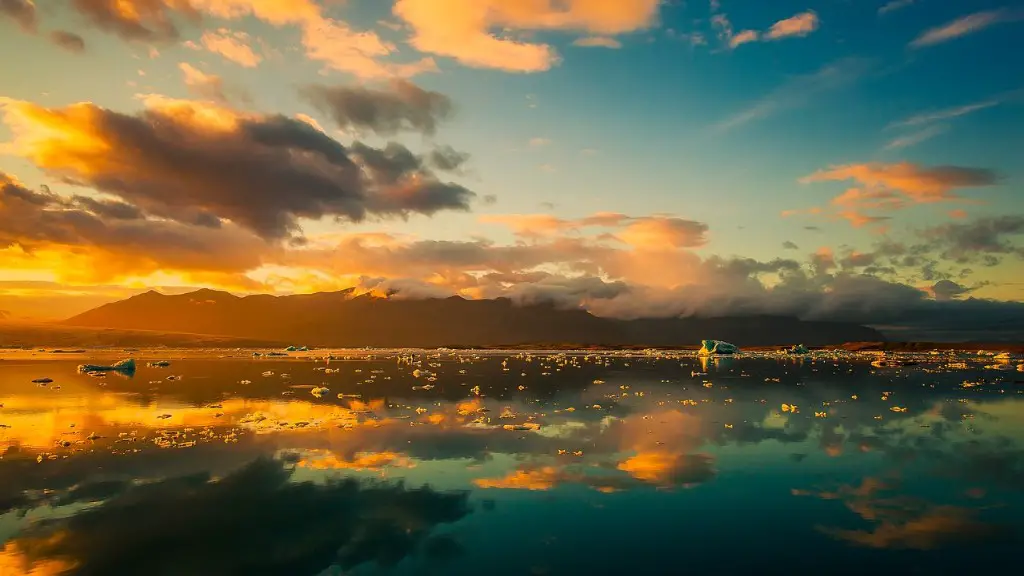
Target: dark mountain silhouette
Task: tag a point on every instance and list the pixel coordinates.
(340, 320)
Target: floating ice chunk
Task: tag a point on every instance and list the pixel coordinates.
(710, 347)
(526, 426)
(159, 364)
(42, 380)
(123, 366)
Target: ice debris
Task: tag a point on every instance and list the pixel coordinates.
(123, 366)
(42, 380)
(710, 347)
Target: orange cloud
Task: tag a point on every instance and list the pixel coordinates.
(334, 42)
(919, 184)
(544, 478)
(326, 460)
(203, 84)
(891, 187)
(657, 233)
(800, 25)
(462, 29)
(744, 37)
(900, 523)
(234, 46)
(598, 42)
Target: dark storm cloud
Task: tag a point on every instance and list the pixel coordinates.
(152, 22)
(111, 209)
(787, 245)
(255, 520)
(403, 107)
(21, 11)
(447, 158)
(984, 236)
(947, 290)
(261, 172)
(68, 40)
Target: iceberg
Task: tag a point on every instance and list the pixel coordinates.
(124, 367)
(711, 347)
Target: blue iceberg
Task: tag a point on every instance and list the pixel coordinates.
(712, 347)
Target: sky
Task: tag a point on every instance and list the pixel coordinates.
(833, 159)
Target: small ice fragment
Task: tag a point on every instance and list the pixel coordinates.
(42, 380)
(123, 366)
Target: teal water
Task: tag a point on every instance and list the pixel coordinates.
(445, 463)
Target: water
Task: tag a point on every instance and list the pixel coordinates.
(640, 465)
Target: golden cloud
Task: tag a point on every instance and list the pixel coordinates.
(464, 29)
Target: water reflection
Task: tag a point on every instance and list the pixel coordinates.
(440, 462)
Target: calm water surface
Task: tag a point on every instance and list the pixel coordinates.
(444, 463)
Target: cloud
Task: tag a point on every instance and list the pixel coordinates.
(332, 42)
(668, 233)
(23, 12)
(539, 142)
(799, 25)
(894, 5)
(201, 162)
(744, 37)
(464, 29)
(355, 523)
(901, 523)
(945, 290)
(116, 238)
(448, 159)
(138, 20)
(945, 114)
(234, 46)
(597, 42)
(893, 187)
(203, 84)
(963, 26)
(916, 183)
(788, 245)
(914, 138)
(68, 40)
(798, 91)
(403, 106)
(991, 235)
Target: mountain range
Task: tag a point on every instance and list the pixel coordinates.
(342, 319)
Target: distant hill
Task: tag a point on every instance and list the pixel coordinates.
(21, 334)
(338, 319)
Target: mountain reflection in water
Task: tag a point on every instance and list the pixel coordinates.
(464, 463)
